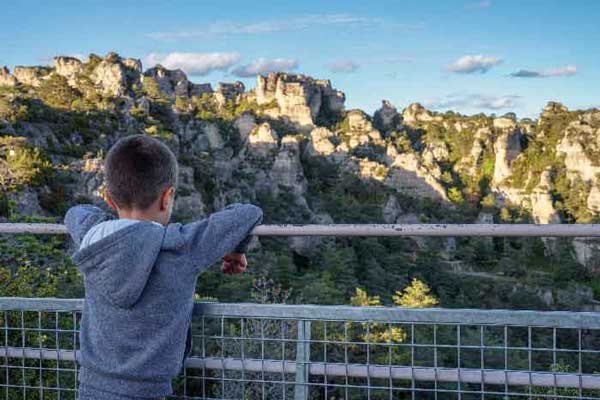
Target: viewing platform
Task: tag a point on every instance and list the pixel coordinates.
(268, 351)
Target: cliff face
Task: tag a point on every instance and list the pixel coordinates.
(291, 141)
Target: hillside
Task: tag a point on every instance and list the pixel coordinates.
(291, 147)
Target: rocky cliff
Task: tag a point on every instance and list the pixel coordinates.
(290, 142)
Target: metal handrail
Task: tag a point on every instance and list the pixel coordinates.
(556, 319)
(436, 230)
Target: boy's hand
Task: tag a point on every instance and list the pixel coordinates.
(234, 263)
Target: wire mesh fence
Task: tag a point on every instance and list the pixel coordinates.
(252, 351)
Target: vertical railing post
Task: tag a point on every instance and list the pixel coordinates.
(302, 360)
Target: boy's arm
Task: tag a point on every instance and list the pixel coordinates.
(223, 232)
(79, 219)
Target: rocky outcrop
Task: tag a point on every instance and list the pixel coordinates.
(115, 76)
(6, 79)
(299, 98)
(229, 92)
(287, 172)
(245, 123)
(506, 149)
(188, 202)
(542, 207)
(321, 143)
(387, 118)
(90, 184)
(407, 174)
(175, 83)
(32, 76)
(392, 210)
(576, 161)
(360, 132)
(415, 113)
(68, 67)
(263, 135)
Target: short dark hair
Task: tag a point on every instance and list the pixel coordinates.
(138, 169)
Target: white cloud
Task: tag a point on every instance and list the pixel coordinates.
(194, 63)
(223, 28)
(343, 66)
(264, 66)
(567, 70)
(480, 5)
(474, 63)
(474, 101)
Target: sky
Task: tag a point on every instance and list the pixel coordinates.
(492, 56)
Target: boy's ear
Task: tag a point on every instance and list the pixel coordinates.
(110, 201)
(166, 197)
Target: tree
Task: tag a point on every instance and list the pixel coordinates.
(416, 295)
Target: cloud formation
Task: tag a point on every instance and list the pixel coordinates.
(343, 66)
(567, 70)
(474, 63)
(475, 101)
(264, 66)
(194, 63)
(224, 28)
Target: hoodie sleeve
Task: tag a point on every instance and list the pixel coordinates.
(80, 219)
(223, 232)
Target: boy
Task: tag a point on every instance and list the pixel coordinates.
(140, 272)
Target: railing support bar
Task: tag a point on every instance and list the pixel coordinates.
(302, 360)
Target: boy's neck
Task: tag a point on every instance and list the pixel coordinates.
(140, 215)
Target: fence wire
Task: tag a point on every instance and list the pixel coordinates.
(251, 351)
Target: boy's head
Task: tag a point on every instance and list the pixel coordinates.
(141, 175)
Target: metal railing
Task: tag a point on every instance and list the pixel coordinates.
(333, 352)
(435, 230)
(303, 351)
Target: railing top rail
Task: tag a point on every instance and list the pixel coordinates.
(443, 230)
(552, 319)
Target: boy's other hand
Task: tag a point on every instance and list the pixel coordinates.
(234, 263)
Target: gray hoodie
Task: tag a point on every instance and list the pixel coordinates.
(139, 283)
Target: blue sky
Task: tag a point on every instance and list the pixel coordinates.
(487, 56)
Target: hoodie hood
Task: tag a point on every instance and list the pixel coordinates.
(119, 265)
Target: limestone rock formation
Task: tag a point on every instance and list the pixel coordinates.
(391, 210)
(32, 76)
(263, 135)
(506, 148)
(287, 169)
(542, 207)
(416, 113)
(115, 76)
(229, 92)
(299, 98)
(188, 202)
(576, 161)
(68, 67)
(408, 175)
(6, 79)
(175, 83)
(245, 123)
(387, 117)
(321, 143)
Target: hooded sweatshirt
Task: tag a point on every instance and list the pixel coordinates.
(140, 280)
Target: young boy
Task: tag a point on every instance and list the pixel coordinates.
(140, 272)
